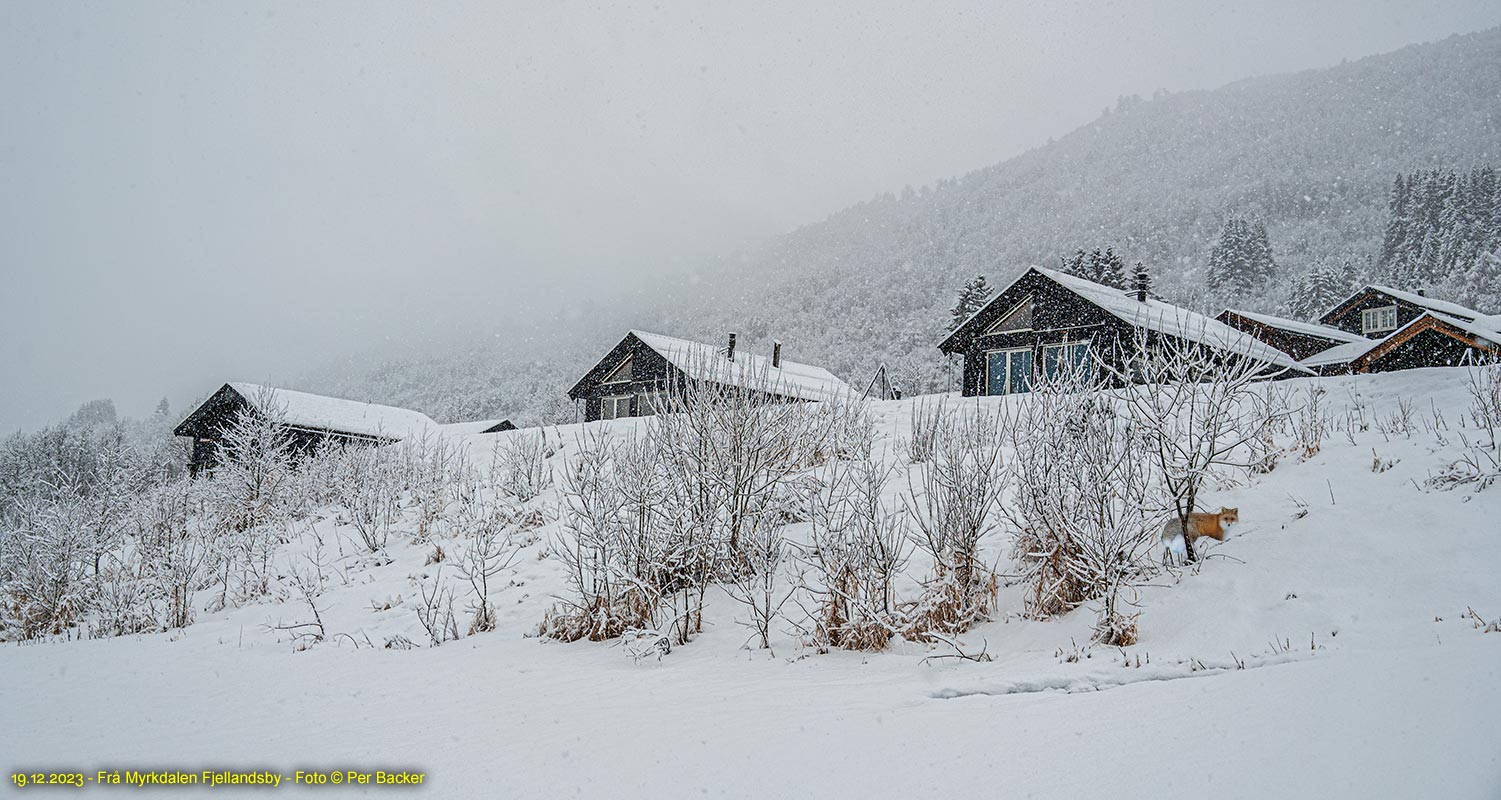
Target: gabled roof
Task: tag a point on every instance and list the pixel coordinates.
(335, 414)
(699, 361)
(708, 363)
(1411, 298)
(1154, 315)
(1298, 326)
(1481, 335)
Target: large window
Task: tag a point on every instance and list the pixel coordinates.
(1019, 318)
(615, 407)
(1070, 359)
(1378, 320)
(1008, 371)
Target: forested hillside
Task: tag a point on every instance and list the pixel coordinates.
(1311, 156)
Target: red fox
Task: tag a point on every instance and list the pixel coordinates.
(1213, 524)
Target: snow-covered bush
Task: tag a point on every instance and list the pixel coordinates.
(1082, 515)
(952, 505)
(484, 530)
(1479, 462)
(520, 466)
(1191, 409)
(433, 470)
(859, 546)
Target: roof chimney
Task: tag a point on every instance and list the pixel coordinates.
(776, 354)
(1422, 292)
(1142, 282)
(730, 351)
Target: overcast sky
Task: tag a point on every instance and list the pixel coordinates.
(198, 192)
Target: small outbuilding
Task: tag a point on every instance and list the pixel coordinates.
(1298, 339)
(643, 369)
(310, 420)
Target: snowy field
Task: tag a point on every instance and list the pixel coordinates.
(1325, 649)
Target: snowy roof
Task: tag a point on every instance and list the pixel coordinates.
(1297, 326)
(1171, 320)
(317, 412)
(706, 362)
(1421, 301)
(1341, 353)
(1487, 335)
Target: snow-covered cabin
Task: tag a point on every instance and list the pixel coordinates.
(309, 420)
(1296, 338)
(644, 367)
(1405, 330)
(1047, 320)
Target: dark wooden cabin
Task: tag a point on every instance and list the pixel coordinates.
(1409, 330)
(644, 368)
(309, 420)
(1046, 321)
(1298, 339)
(1377, 311)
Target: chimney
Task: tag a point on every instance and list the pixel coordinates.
(1422, 293)
(1142, 282)
(730, 351)
(776, 354)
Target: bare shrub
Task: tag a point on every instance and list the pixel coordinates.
(952, 506)
(1479, 461)
(926, 417)
(859, 546)
(433, 471)
(488, 548)
(519, 464)
(1190, 409)
(435, 611)
(1083, 511)
(370, 490)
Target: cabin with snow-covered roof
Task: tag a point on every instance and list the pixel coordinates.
(309, 420)
(643, 369)
(1380, 329)
(1296, 338)
(1046, 322)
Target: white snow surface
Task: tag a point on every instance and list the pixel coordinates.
(1343, 593)
(1171, 320)
(319, 412)
(1298, 326)
(701, 361)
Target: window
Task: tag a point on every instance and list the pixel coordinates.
(1070, 359)
(1008, 371)
(621, 374)
(1378, 320)
(1017, 319)
(615, 407)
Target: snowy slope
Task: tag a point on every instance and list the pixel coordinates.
(1317, 654)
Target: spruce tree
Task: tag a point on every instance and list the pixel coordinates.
(972, 298)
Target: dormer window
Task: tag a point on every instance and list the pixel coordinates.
(1019, 318)
(1378, 320)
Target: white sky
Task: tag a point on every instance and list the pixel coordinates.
(198, 192)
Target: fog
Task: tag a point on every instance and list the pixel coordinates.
(191, 194)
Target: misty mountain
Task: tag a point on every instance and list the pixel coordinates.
(1311, 155)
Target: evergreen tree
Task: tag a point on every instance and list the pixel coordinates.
(163, 409)
(1241, 260)
(1319, 289)
(972, 298)
(1100, 266)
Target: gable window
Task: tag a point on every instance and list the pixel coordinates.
(1378, 320)
(1067, 360)
(615, 407)
(1018, 318)
(1008, 371)
(621, 374)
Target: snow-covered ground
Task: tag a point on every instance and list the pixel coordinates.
(1324, 650)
